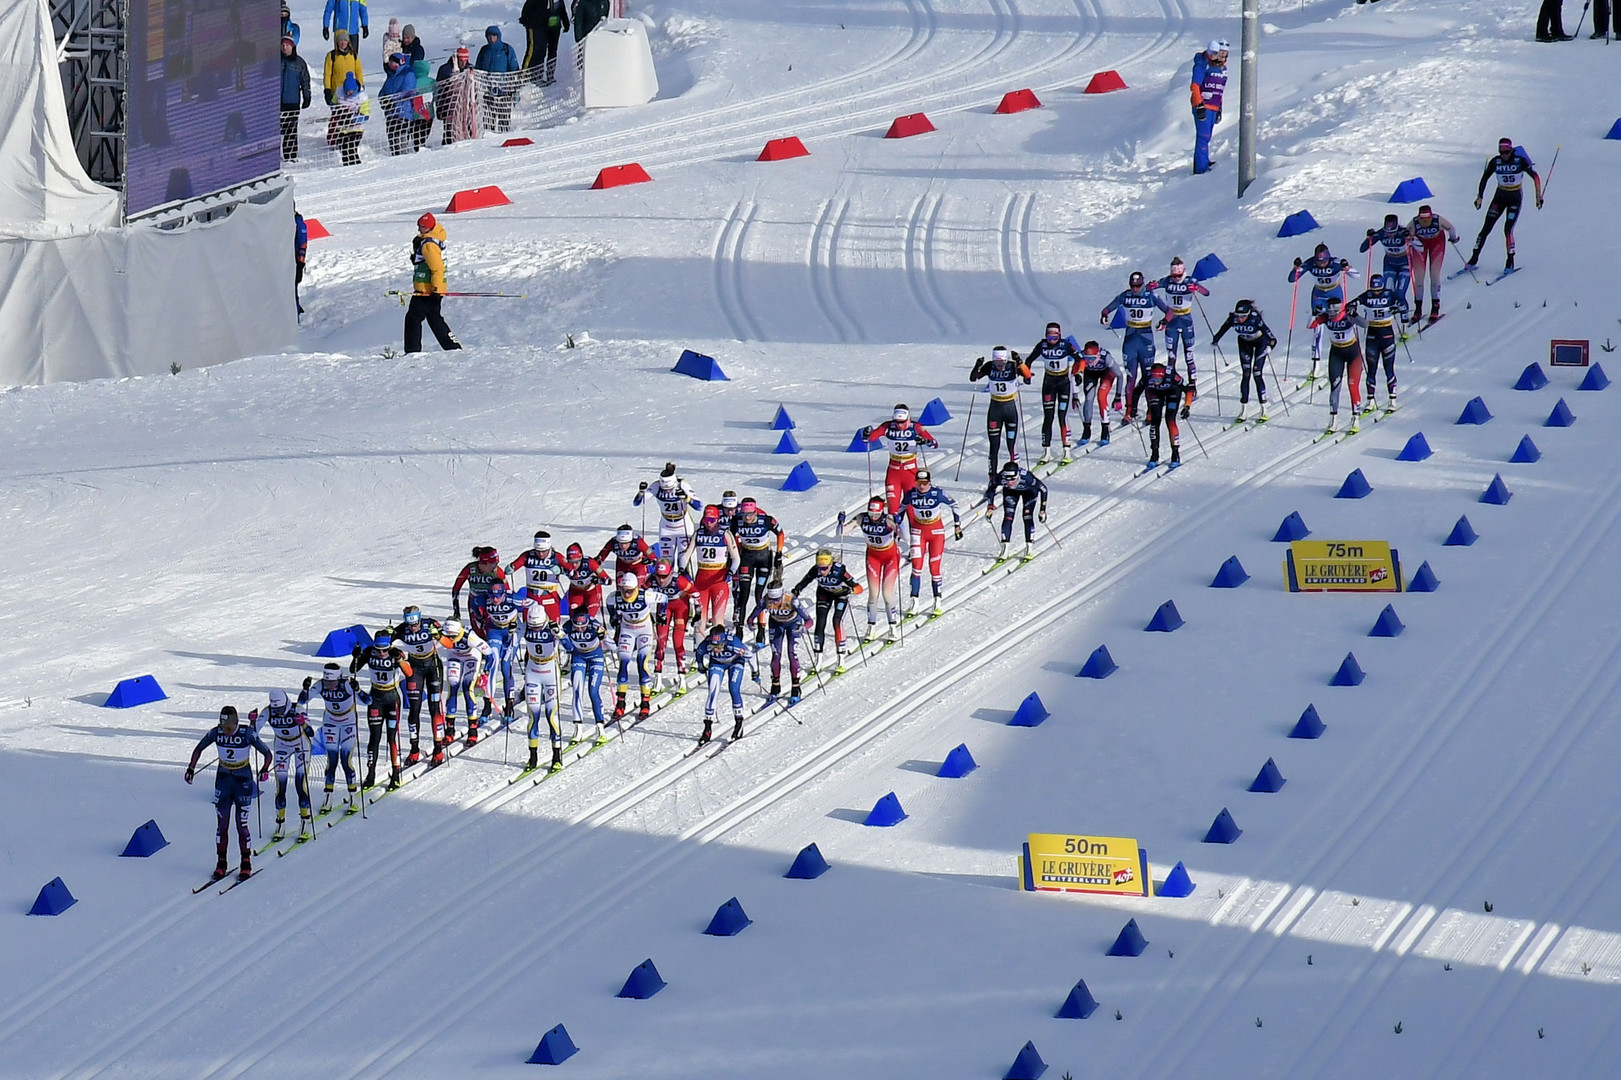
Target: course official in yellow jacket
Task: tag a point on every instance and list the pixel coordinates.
(427, 287)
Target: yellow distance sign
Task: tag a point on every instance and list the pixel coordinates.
(1067, 862)
(1342, 566)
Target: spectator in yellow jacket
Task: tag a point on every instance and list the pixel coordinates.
(340, 61)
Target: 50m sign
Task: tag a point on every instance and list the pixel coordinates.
(1074, 862)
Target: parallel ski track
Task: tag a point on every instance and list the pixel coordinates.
(728, 260)
(920, 281)
(704, 135)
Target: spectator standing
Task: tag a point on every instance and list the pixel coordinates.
(587, 13)
(350, 112)
(399, 105)
(288, 27)
(411, 45)
(544, 21)
(347, 15)
(422, 123)
(455, 98)
(497, 60)
(428, 287)
(295, 95)
(341, 62)
(391, 40)
(1603, 11)
(1551, 22)
(1209, 83)
(301, 243)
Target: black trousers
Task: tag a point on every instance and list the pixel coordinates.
(426, 307)
(1251, 366)
(289, 132)
(1601, 17)
(1550, 22)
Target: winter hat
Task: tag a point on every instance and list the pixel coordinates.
(1217, 45)
(340, 37)
(288, 37)
(462, 53)
(350, 85)
(409, 31)
(394, 25)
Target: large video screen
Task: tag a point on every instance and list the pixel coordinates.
(204, 97)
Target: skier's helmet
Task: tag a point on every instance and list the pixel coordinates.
(902, 414)
(535, 616)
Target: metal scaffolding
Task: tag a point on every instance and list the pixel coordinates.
(91, 52)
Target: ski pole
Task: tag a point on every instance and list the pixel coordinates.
(1283, 394)
(1049, 529)
(404, 296)
(1222, 356)
(966, 428)
(1294, 302)
(1192, 431)
(1024, 431)
(1555, 162)
(867, 450)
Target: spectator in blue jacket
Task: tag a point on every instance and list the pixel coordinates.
(347, 15)
(295, 95)
(399, 104)
(288, 27)
(498, 59)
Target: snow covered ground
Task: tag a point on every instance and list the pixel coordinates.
(211, 527)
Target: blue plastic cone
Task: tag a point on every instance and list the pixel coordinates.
(53, 899)
(1224, 830)
(643, 983)
(958, 764)
(1030, 712)
(554, 1049)
(782, 421)
(935, 412)
(144, 842)
(1231, 575)
(1595, 379)
(1532, 378)
(1423, 580)
(729, 920)
(802, 478)
(858, 444)
(1165, 619)
(1417, 448)
(1475, 412)
(699, 366)
(1356, 486)
(1298, 222)
(1615, 131)
(1349, 674)
(1561, 416)
(1177, 883)
(1293, 528)
(1027, 1066)
(1100, 665)
(342, 642)
(1462, 534)
(1497, 492)
(787, 444)
(808, 864)
(1387, 624)
(140, 690)
(1208, 267)
(1309, 726)
(885, 812)
(1269, 781)
(1410, 191)
(1079, 1005)
(1525, 453)
(1118, 320)
(1130, 941)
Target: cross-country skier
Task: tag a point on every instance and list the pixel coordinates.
(923, 513)
(1255, 341)
(585, 581)
(1344, 360)
(1056, 356)
(630, 614)
(1431, 233)
(1021, 491)
(785, 620)
(1383, 311)
(759, 558)
(1328, 277)
(502, 618)
(466, 660)
(676, 504)
(342, 697)
(670, 622)
(723, 658)
(1002, 373)
(583, 638)
(478, 575)
(728, 508)
(834, 587)
(1511, 166)
(538, 663)
(882, 530)
(539, 574)
(233, 784)
(905, 440)
(1180, 293)
(1099, 373)
(289, 728)
(386, 665)
(715, 553)
(1396, 240)
(419, 638)
(630, 553)
(1137, 346)
(1162, 391)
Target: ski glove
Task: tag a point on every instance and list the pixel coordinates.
(957, 528)
(1186, 410)
(1199, 112)
(1477, 202)
(326, 33)
(1041, 515)
(264, 773)
(642, 486)
(1539, 202)
(190, 772)
(365, 31)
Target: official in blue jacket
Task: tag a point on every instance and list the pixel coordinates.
(500, 62)
(1209, 83)
(347, 15)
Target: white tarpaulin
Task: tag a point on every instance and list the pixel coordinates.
(619, 65)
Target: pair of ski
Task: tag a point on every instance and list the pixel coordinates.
(1470, 269)
(1009, 564)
